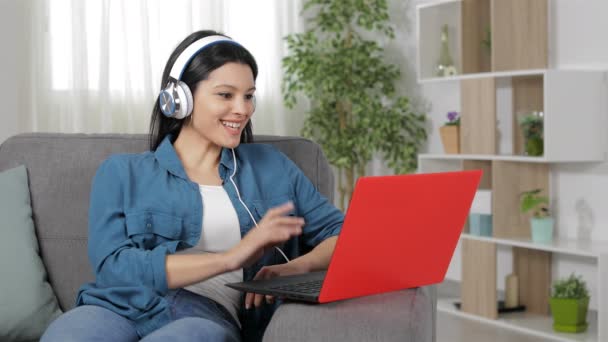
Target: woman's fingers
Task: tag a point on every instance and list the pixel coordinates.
(249, 297)
(289, 221)
(248, 300)
(253, 299)
(257, 300)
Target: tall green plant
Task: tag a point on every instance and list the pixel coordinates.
(354, 109)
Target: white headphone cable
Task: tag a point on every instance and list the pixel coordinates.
(243, 203)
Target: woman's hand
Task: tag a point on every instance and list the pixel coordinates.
(267, 272)
(315, 260)
(275, 228)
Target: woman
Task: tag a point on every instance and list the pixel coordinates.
(169, 227)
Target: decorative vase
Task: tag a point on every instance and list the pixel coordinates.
(569, 315)
(445, 64)
(511, 291)
(542, 229)
(480, 224)
(450, 137)
(532, 127)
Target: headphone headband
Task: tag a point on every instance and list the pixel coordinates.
(192, 50)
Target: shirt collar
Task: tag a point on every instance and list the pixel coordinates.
(167, 158)
(226, 159)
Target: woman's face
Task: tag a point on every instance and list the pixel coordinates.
(223, 104)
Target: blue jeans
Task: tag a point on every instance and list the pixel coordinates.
(195, 318)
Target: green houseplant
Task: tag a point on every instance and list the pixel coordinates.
(569, 304)
(541, 223)
(355, 111)
(531, 124)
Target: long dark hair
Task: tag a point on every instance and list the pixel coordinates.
(196, 71)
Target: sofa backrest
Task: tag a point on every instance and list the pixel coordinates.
(60, 170)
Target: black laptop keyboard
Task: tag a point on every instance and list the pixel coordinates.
(312, 286)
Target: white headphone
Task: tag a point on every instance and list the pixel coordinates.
(175, 100)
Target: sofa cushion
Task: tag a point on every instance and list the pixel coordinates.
(27, 301)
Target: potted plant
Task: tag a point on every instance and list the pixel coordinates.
(531, 124)
(450, 133)
(355, 110)
(569, 304)
(541, 223)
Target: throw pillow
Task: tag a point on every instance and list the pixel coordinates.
(27, 302)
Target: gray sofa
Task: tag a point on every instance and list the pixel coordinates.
(60, 169)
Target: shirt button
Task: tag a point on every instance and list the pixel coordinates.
(149, 225)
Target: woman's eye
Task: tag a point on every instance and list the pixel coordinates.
(249, 96)
(225, 95)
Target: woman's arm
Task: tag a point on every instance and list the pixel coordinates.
(274, 228)
(317, 259)
(187, 269)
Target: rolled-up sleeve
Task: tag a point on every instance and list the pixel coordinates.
(322, 218)
(115, 258)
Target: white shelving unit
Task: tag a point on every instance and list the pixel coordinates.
(531, 324)
(575, 115)
(539, 325)
(574, 104)
(574, 119)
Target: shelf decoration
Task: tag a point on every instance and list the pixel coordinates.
(480, 217)
(569, 304)
(511, 291)
(445, 64)
(531, 124)
(541, 223)
(450, 133)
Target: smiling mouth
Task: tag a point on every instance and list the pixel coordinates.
(234, 125)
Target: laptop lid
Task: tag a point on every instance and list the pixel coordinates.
(399, 232)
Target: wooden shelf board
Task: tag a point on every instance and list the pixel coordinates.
(484, 157)
(576, 247)
(531, 324)
(483, 75)
(436, 3)
(504, 157)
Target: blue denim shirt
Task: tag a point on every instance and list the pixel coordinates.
(143, 207)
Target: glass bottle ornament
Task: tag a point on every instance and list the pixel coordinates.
(445, 64)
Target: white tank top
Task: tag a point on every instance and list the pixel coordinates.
(220, 232)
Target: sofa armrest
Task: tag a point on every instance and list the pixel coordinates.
(407, 315)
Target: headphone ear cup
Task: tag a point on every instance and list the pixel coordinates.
(186, 101)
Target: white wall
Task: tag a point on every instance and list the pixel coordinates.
(577, 40)
(13, 35)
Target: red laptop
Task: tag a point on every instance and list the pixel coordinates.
(399, 232)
